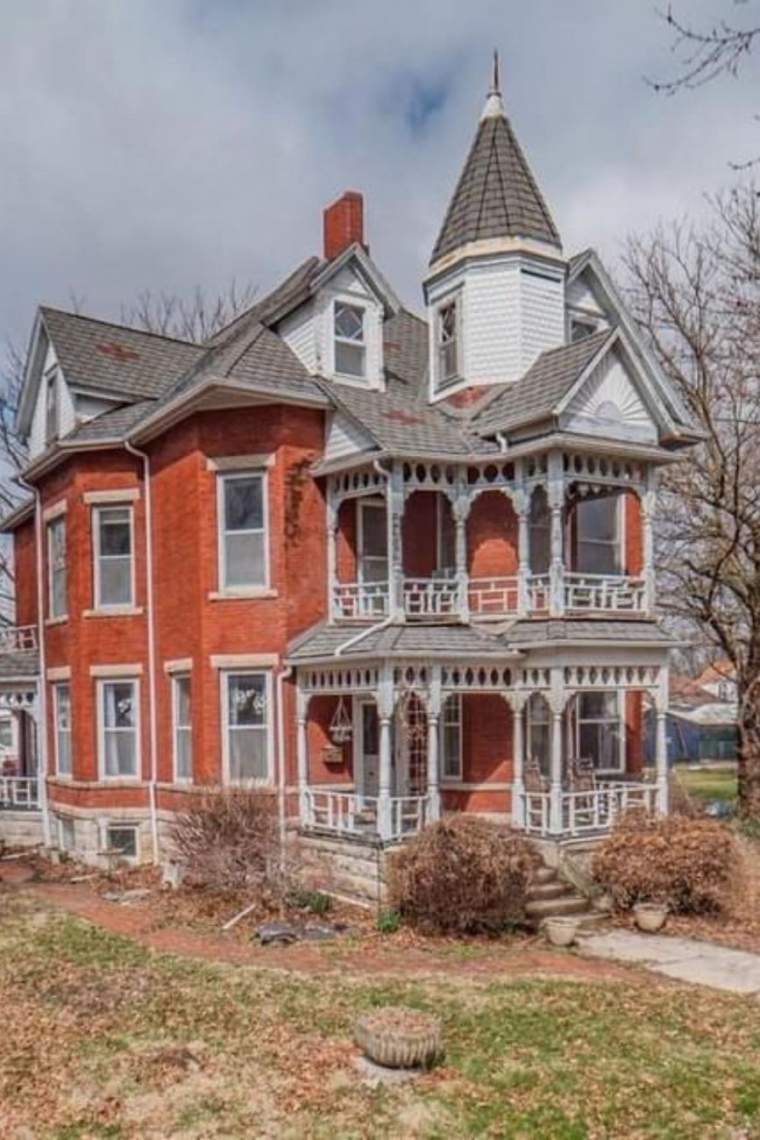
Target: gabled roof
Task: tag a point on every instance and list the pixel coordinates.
(496, 195)
(112, 358)
(537, 394)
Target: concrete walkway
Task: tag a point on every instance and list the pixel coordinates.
(702, 963)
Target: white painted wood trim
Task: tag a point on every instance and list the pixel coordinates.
(224, 675)
(241, 593)
(134, 676)
(462, 786)
(59, 673)
(116, 495)
(238, 462)
(179, 665)
(134, 670)
(244, 660)
(55, 511)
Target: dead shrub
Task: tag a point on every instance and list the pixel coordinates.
(229, 841)
(462, 876)
(680, 801)
(689, 864)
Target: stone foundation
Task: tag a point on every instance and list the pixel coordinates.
(21, 828)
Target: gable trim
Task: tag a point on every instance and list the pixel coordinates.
(367, 269)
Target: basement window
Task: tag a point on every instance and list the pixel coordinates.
(350, 342)
(121, 839)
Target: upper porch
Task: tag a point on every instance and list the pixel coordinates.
(560, 533)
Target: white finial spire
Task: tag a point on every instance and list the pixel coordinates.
(494, 105)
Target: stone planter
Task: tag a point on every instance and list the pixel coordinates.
(399, 1038)
(561, 931)
(650, 917)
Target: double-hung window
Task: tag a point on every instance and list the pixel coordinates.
(56, 534)
(183, 728)
(599, 735)
(247, 727)
(451, 738)
(373, 542)
(62, 714)
(447, 343)
(350, 340)
(597, 522)
(119, 728)
(114, 557)
(243, 530)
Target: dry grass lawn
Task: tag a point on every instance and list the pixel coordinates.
(104, 1039)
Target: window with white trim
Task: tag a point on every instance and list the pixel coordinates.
(247, 728)
(122, 840)
(538, 731)
(51, 407)
(599, 735)
(350, 341)
(119, 728)
(539, 532)
(183, 728)
(56, 545)
(597, 528)
(451, 738)
(447, 343)
(243, 530)
(373, 542)
(62, 714)
(6, 733)
(114, 556)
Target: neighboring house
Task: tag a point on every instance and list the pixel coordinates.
(719, 679)
(385, 567)
(699, 727)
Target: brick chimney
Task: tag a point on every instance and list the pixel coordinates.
(343, 224)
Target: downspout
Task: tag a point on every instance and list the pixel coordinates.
(42, 734)
(151, 646)
(284, 675)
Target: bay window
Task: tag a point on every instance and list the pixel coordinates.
(243, 531)
(114, 557)
(62, 715)
(246, 720)
(118, 728)
(597, 535)
(56, 546)
(451, 738)
(182, 727)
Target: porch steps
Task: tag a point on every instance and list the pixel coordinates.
(549, 896)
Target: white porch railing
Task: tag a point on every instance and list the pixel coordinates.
(587, 812)
(539, 588)
(603, 592)
(19, 793)
(348, 813)
(431, 597)
(493, 596)
(17, 637)
(360, 600)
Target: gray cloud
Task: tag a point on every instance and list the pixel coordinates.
(186, 141)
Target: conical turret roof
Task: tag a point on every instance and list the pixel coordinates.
(496, 195)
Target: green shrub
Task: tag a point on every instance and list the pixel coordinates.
(462, 875)
(691, 865)
(315, 901)
(388, 921)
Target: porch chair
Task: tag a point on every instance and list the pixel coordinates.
(535, 783)
(582, 778)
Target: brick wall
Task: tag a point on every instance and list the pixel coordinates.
(486, 754)
(492, 536)
(25, 570)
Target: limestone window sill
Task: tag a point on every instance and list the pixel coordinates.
(242, 593)
(56, 620)
(113, 611)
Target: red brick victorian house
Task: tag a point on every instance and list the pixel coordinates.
(386, 567)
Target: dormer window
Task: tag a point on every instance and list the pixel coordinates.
(447, 343)
(51, 407)
(350, 341)
(581, 329)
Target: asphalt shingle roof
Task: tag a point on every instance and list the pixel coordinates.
(533, 632)
(496, 195)
(398, 640)
(23, 663)
(536, 394)
(110, 358)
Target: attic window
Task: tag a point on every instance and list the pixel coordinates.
(581, 329)
(350, 347)
(51, 407)
(447, 343)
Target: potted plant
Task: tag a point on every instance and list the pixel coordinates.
(399, 1038)
(561, 930)
(650, 916)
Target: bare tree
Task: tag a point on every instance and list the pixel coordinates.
(195, 318)
(696, 294)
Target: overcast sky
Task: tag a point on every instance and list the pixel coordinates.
(169, 143)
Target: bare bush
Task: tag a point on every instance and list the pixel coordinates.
(229, 841)
(462, 876)
(690, 865)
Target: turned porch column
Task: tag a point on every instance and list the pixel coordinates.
(332, 549)
(302, 753)
(517, 702)
(648, 507)
(394, 497)
(557, 700)
(460, 509)
(433, 752)
(385, 705)
(661, 743)
(521, 503)
(555, 493)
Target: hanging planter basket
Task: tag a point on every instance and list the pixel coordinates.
(341, 728)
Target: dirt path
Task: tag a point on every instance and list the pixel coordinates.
(138, 922)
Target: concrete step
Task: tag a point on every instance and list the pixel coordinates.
(549, 890)
(544, 875)
(538, 909)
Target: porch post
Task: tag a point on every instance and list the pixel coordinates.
(517, 703)
(648, 505)
(556, 500)
(394, 497)
(557, 700)
(661, 743)
(522, 507)
(433, 722)
(461, 509)
(385, 703)
(332, 548)
(302, 753)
